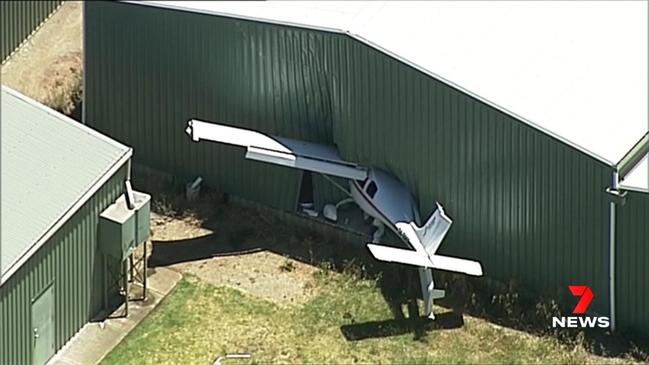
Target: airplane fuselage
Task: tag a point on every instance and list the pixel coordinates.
(384, 197)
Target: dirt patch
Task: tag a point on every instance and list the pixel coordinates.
(213, 256)
(49, 66)
(234, 245)
(167, 228)
(263, 274)
(226, 243)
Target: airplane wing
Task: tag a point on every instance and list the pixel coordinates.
(278, 150)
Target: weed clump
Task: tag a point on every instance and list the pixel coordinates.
(65, 78)
(287, 266)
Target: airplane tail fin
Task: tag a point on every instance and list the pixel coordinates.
(425, 241)
(432, 233)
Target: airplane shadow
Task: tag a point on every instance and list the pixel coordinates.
(419, 326)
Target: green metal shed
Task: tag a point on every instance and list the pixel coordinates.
(530, 205)
(20, 19)
(57, 177)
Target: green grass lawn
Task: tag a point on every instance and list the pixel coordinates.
(198, 322)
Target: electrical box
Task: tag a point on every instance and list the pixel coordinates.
(117, 229)
(142, 204)
(121, 229)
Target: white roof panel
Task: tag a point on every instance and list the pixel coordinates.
(577, 69)
(50, 164)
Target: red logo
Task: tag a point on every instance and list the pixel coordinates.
(586, 297)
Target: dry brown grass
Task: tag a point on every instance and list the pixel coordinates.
(64, 80)
(48, 67)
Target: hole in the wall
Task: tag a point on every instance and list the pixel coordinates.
(306, 200)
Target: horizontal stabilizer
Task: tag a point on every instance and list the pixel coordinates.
(400, 255)
(457, 265)
(410, 257)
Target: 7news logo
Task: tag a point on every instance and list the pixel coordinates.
(586, 297)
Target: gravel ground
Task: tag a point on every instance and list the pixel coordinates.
(213, 256)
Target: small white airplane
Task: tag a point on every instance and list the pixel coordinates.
(378, 193)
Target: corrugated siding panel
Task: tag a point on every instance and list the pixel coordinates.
(71, 262)
(281, 93)
(19, 19)
(632, 271)
(528, 206)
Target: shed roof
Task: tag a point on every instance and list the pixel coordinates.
(577, 70)
(51, 165)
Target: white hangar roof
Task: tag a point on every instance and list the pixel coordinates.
(576, 69)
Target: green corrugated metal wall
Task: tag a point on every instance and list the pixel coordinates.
(525, 204)
(154, 103)
(19, 19)
(632, 270)
(70, 261)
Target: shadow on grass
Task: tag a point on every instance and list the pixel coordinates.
(419, 326)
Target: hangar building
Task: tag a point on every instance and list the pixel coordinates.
(527, 201)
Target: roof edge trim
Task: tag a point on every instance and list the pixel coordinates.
(234, 16)
(13, 267)
(633, 157)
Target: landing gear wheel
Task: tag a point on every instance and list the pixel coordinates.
(380, 230)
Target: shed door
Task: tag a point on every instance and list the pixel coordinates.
(43, 326)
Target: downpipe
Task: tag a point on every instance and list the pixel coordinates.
(615, 181)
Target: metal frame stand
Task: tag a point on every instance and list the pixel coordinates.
(125, 283)
(138, 271)
(119, 281)
(380, 230)
(131, 271)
